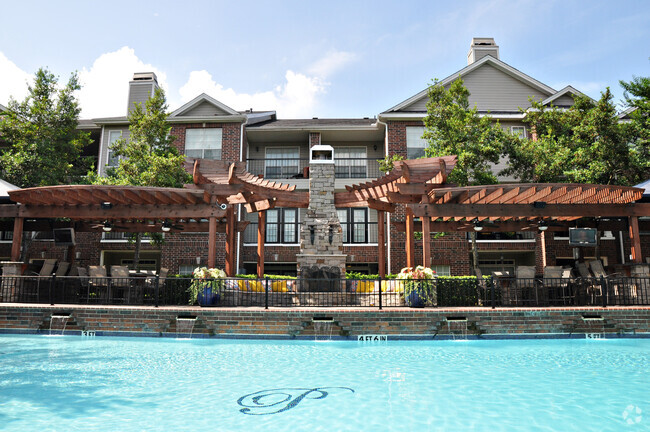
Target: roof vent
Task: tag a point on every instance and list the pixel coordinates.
(480, 48)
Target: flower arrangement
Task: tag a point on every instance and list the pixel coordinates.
(419, 286)
(205, 279)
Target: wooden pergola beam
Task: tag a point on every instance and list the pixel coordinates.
(148, 211)
(530, 210)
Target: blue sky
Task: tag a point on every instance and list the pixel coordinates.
(308, 58)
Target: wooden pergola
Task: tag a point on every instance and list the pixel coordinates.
(232, 184)
(521, 207)
(208, 205)
(127, 208)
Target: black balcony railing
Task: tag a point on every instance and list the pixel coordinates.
(284, 169)
(357, 233)
(236, 292)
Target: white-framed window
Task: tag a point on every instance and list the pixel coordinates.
(442, 270)
(281, 162)
(113, 160)
(519, 131)
(6, 236)
(351, 162)
(203, 143)
(415, 144)
(186, 269)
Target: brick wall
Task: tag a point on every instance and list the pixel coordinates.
(291, 323)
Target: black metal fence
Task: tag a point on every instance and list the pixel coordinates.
(239, 292)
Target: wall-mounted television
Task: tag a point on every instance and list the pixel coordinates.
(63, 236)
(582, 237)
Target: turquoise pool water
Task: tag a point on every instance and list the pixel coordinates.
(138, 384)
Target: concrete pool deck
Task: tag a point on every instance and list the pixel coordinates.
(346, 323)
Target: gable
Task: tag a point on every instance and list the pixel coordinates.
(490, 90)
(204, 108)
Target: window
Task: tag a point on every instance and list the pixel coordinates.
(6, 235)
(282, 162)
(350, 162)
(354, 222)
(113, 160)
(415, 144)
(282, 226)
(186, 269)
(442, 270)
(519, 131)
(203, 143)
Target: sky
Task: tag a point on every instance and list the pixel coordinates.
(304, 59)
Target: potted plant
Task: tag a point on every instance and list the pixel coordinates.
(419, 286)
(206, 287)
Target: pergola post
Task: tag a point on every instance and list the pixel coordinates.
(635, 239)
(426, 242)
(410, 239)
(261, 236)
(230, 242)
(212, 242)
(18, 238)
(381, 240)
(542, 241)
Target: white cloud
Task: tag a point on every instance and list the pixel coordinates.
(296, 97)
(14, 81)
(331, 63)
(105, 86)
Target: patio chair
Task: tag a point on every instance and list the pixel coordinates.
(556, 284)
(120, 283)
(150, 285)
(616, 292)
(36, 288)
(527, 288)
(98, 282)
(59, 292)
(83, 283)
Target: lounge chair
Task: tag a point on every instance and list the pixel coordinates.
(150, 285)
(556, 284)
(527, 287)
(616, 291)
(36, 288)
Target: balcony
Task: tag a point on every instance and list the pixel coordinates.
(295, 168)
(360, 233)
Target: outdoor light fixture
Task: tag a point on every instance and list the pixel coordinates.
(478, 226)
(106, 205)
(166, 226)
(108, 227)
(542, 225)
(198, 260)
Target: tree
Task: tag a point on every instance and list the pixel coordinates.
(148, 157)
(44, 143)
(453, 128)
(583, 144)
(637, 98)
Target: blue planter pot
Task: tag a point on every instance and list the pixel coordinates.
(414, 299)
(207, 297)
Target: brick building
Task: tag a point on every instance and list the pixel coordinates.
(278, 149)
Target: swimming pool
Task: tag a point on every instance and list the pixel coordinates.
(135, 384)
